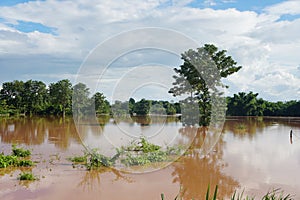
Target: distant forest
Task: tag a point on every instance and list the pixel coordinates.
(36, 98)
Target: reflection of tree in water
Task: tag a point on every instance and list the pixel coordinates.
(29, 131)
(246, 126)
(61, 131)
(92, 178)
(146, 120)
(37, 130)
(195, 173)
(96, 127)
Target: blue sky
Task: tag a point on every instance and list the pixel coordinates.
(49, 40)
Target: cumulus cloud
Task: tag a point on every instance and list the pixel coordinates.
(264, 45)
(291, 7)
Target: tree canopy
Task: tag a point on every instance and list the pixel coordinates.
(200, 75)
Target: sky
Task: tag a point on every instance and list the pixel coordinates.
(52, 40)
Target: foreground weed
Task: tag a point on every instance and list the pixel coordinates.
(276, 194)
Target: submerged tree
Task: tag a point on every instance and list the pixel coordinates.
(200, 76)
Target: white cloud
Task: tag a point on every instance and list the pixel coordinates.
(210, 3)
(291, 7)
(264, 46)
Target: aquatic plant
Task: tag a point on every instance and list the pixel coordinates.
(7, 160)
(77, 159)
(20, 152)
(13, 161)
(140, 152)
(24, 163)
(28, 176)
(143, 146)
(93, 159)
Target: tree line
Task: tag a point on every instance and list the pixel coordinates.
(35, 98)
(198, 79)
(248, 104)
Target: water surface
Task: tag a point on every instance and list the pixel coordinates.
(252, 154)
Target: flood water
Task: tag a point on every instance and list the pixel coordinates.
(252, 154)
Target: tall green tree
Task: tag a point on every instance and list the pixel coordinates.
(61, 95)
(13, 95)
(200, 75)
(34, 96)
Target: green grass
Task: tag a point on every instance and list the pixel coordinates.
(27, 176)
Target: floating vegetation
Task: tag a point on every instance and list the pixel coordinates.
(27, 176)
(78, 159)
(140, 152)
(96, 160)
(16, 158)
(20, 152)
(92, 159)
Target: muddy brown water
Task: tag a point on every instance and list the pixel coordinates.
(253, 154)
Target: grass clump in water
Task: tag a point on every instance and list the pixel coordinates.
(95, 160)
(139, 152)
(78, 159)
(16, 158)
(92, 159)
(142, 146)
(20, 152)
(27, 176)
(143, 152)
(8, 160)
